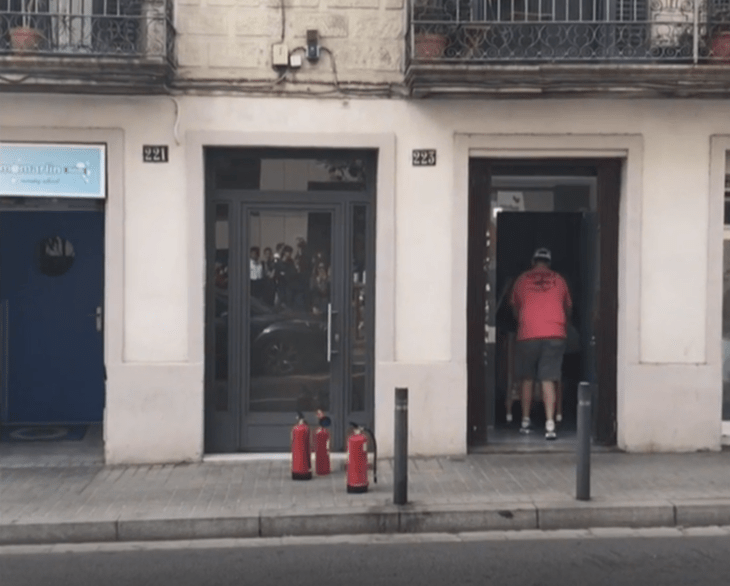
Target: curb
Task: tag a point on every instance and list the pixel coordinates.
(410, 518)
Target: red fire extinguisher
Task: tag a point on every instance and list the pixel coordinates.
(301, 457)
(322, 445)
(357, 459)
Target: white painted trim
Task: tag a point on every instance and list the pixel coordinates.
(717, 234)
(628, 147)
(529, 153)
(113, 138)
(385, 211)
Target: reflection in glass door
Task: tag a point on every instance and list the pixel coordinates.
(293, 323)
(290, 325)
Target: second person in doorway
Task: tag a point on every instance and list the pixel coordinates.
(541, 303)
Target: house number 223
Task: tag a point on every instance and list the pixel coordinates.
(424, 157)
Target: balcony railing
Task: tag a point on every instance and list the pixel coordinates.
(564, 31)
(122, 29)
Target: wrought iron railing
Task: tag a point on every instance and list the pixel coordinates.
(493, 31)
(140, 29)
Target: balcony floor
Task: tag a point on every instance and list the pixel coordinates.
(647, 80)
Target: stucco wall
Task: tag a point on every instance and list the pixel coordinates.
(669, 369)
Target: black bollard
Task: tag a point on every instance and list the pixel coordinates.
(400, 454)
(583, 472)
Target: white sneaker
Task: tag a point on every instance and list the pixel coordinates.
(525, 426)
(559, 417)
(508, 417)
(550, 430)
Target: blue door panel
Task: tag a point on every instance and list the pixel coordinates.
(55, 353)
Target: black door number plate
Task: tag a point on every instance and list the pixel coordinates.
(155, 154)
(424, 157)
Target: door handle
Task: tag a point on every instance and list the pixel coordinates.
(330, 334)
(97, 314)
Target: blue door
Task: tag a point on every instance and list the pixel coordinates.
(51, 290)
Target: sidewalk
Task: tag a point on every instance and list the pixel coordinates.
(258, 498)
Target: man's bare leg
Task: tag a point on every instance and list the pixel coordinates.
(548, 396)
(558, 401)
(526, 398)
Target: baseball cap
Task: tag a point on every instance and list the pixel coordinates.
(542, 254)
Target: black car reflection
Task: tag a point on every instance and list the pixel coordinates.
(283, 342)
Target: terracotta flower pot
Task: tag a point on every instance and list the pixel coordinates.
(720, 49)
(24, 39)
(429, 46)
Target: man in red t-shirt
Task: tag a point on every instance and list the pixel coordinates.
(541, 303)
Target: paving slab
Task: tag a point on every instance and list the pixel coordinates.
(697, 513)
(55, 531)
(705, 532)
(329, 521)
(173, 529)
(579, 514)
(468, 517)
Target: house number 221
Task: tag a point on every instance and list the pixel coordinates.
(155, 154)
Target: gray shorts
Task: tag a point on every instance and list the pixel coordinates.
(539, 359)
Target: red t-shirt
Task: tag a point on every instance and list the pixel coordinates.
(540, 296)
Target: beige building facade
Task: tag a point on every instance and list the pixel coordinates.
(161, 237)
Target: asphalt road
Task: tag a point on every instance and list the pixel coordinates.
(617, 561)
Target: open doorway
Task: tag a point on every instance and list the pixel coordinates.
(515, 208)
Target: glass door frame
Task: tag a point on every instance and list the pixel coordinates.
(225, 428)
(725, 424)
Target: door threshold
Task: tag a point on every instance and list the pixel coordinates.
(539, 447)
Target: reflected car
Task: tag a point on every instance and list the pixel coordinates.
(283, 342)
(286, 342)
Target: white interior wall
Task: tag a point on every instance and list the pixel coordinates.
(270, 228)
(666, 352)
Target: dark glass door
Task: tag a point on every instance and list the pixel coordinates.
(289, 306)
(292, 325)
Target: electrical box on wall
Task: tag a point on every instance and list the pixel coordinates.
(279, 55)
(312, 44)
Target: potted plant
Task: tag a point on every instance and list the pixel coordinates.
(719, 27)
(26, 37)
(429, 38)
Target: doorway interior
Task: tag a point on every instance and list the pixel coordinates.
(290, 294)
(570, 207)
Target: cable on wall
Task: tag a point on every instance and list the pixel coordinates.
(175, 126)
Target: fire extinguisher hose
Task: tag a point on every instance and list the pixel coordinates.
(375, 455)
